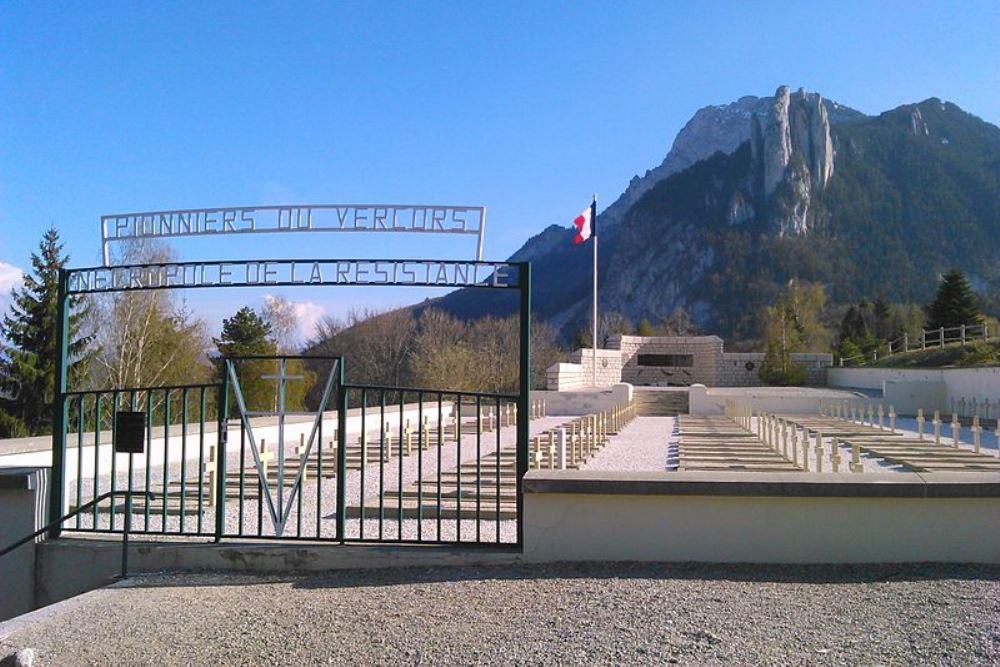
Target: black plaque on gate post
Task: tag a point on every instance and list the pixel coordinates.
(130, 432)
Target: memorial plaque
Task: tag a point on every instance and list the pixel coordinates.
(130, 432)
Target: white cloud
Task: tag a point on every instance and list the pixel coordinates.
(10, 277)
(306, 314)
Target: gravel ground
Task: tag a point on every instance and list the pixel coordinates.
(642, 445)
(590, 613)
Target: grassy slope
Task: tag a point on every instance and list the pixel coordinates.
(953, 355)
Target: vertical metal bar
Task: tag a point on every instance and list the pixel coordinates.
(364, 460)
(201, 458)
(127, 528)
(458, 456)
(242, 478)
(524, 387)
(420, 465)
(149, 446)
(79, 456)
(260, 504)
(184, 422)
(133, 400)
(166, 455)
(479, 455)
(114, 458)
(440, 446)
(97, 454)
(298, 512)
(381, 464)
(57, 490)
(341, 450)
(319, 473)
(498, 467)
(282, 374)
(220, 458)
(399, 488)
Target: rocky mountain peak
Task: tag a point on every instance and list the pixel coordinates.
(793, 124)
(723, 127)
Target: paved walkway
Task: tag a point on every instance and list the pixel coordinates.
(641, 446)
(599, 613)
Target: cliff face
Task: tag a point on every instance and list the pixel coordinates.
(779, 125)
(791, 146)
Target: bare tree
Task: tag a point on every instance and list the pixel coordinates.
(147, 338)
(679, 323)
(279, 312)
(376, 345)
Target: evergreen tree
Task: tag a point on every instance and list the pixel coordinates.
(28, 360)
(247, 334)
(954, 304)
(646, 328)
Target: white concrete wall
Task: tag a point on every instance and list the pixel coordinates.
(578, 403)
(909, 396)
(581, 527)
(959, 383)
(872, 378)
(705, 401)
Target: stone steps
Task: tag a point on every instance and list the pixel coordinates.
(649, 403)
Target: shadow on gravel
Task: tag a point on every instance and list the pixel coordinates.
(792, 574)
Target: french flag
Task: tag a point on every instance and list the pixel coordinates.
(584, 225)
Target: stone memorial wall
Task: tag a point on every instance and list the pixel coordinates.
(673, 361)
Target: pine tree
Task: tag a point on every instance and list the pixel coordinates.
(246, 334)
(954, 304)
(28, 360)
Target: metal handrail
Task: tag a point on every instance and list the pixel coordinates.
(104, 496)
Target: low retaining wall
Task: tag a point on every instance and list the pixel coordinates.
(23, 510)
(762, 517)
(71, 566)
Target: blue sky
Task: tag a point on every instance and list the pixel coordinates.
(525, 107)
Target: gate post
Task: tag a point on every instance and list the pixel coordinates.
(58, 475)
(220, 455)
(342, 451)
(524, 388)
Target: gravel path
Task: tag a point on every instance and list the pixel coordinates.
(642, 445)
(591, 613)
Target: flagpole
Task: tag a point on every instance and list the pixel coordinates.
(593, 228)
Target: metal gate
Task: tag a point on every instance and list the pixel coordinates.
(367, 464)
(398, 464)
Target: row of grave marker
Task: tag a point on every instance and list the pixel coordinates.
(847, 410)
(787, 438)
(573, 444)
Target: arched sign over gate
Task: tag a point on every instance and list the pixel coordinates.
(429, 420)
